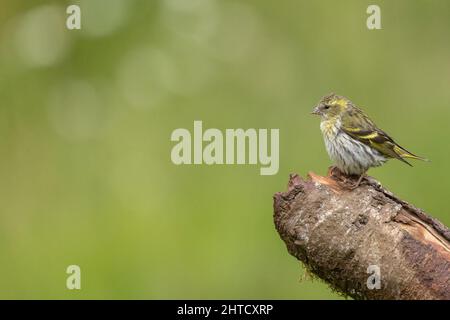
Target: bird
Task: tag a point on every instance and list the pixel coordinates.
(353, 141)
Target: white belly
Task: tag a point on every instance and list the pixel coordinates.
(352, 156)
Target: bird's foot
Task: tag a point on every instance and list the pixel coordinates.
(358, 182)
(347, 181)
(351, 182)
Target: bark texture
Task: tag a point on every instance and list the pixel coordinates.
(338, 233)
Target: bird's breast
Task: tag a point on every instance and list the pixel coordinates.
(330, 128)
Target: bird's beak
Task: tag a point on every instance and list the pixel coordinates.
(316, 111)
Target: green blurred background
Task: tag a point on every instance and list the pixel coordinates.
(86, 118)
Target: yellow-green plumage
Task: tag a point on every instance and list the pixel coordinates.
(353, 141)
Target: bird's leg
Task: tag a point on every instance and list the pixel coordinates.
(356, 185)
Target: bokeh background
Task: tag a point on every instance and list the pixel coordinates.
(86, 118)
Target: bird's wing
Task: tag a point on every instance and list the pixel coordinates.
(357, 125)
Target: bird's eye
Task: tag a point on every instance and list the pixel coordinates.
(326, 107)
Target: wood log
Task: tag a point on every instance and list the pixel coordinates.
(365, 242)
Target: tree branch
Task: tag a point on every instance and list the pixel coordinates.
(338, 233)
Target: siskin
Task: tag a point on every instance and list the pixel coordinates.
(353, 142)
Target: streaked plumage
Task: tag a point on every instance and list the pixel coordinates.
(353, 142)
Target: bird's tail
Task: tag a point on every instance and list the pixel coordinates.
(403, 153)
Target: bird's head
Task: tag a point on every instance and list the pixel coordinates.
(331, 106)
